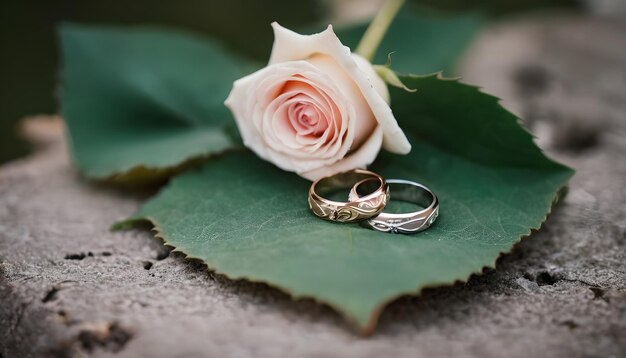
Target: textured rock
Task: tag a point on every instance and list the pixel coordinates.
(70, 287)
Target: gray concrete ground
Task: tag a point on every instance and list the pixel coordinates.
(71, 288)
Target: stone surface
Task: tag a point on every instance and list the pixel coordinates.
(70, 287)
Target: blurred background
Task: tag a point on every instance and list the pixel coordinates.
(29, 59)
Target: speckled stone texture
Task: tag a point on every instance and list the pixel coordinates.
(69, 287)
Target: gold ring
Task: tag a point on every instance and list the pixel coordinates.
(359, 209)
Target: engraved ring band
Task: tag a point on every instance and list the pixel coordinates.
(407, 191)
(360, 208)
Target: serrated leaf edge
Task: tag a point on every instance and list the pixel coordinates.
(369, 328)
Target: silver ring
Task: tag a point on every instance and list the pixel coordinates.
(405, 223)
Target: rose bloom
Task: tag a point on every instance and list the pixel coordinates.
(316, 109)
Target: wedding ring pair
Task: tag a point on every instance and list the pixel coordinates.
(368, 196)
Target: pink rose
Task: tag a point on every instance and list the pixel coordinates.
(316, 109)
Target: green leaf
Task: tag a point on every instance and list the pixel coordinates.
(247, 219)
(144, 100)
(420, 43)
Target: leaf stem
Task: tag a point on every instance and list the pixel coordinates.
(377, 29)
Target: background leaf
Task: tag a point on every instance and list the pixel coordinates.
(247, 219)
(140, 103)
(139, 100)
(420, 42)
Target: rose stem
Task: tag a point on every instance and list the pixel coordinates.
(377, 29)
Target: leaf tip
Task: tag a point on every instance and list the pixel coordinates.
(127, 224)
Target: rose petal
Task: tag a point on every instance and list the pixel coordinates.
(252, 95)
(363, 117)
(361, 158)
